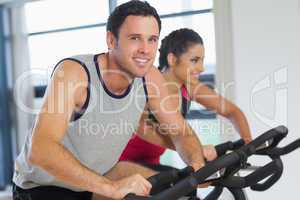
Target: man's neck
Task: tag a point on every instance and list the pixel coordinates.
(115, 79)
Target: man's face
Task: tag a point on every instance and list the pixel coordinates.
(135, 49)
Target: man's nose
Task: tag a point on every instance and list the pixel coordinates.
(144, 47)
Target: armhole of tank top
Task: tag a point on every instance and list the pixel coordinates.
(76, 115)
(150, 116)
(145, 89)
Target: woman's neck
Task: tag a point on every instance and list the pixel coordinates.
(174, 84)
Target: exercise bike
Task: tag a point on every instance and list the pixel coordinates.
(222, 172)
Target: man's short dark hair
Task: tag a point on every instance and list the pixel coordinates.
(134, 7)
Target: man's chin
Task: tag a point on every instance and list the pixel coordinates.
(140, 75)
(142, 72)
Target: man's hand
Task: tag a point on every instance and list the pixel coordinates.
(247, 140)
(209, 152)
(135, 184)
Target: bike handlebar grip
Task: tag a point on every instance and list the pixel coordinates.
(237, 193)
(164, 177)
(239, 143)
(180, 189)
(185, 171)
(215, 193)
(163, 180)
(132, 196)
(222, 148)
(272, 180)
(275, 134)
(224, 161)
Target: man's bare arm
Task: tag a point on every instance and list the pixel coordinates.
(148, 131)
(47, 150)
(171, 121)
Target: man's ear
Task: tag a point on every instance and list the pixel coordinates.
(111, 40)
(172, 59)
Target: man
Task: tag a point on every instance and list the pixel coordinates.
(91, 108)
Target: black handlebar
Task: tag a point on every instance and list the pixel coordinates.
(279, 151)
(273, 136)
(273, 169)
(182, 182)
(191, 182)
(164, 179)
(221, 149)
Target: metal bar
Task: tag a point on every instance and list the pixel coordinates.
(6, 161)
(112, 5)
(186, 13)
(67, 29)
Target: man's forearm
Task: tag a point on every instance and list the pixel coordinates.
(152, 134)
(60, 163)
(189, 147)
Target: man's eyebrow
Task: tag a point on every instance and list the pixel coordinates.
(154, 36)
(134, 34)
(139, 35)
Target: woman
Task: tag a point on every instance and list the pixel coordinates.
(181, 62)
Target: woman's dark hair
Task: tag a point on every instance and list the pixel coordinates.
(177, 42)
(134, 7)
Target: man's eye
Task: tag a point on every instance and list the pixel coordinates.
(134, 38)
(153, 40)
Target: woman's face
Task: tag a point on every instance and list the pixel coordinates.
(189, 65)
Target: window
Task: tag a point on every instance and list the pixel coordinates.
(202, 24)
(47, 47)
(78, 27)
(49, 15)
(177, 6)
(56, 32)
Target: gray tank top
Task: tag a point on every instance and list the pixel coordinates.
(97, 135)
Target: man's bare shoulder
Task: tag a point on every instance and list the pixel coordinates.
(154, 75)
(70, 71)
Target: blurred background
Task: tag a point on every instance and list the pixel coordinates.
(252, 58)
